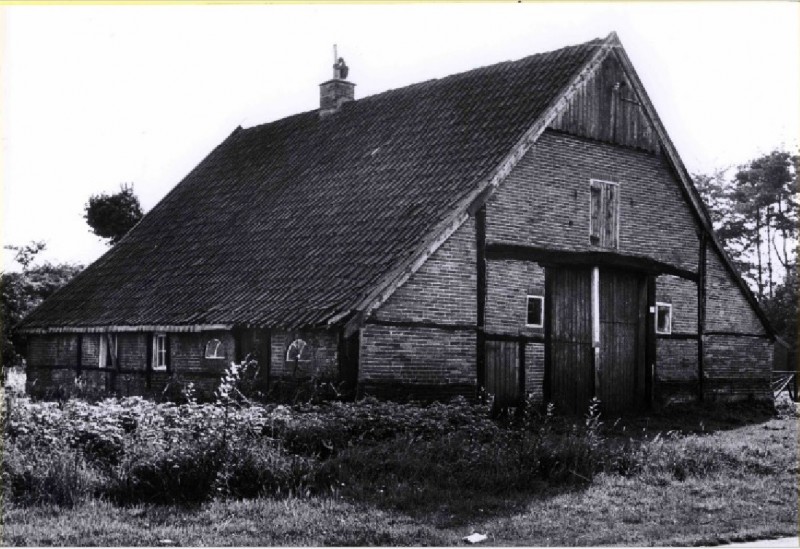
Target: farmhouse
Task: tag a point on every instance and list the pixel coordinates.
(521, 228)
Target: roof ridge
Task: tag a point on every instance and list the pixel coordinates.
(416, 86)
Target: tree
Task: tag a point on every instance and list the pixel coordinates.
(21, 292)
(112, 216)
(754, 213)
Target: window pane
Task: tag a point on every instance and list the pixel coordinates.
(663, 320)
(535, 309)
(595, 207)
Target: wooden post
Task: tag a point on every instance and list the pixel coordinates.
(596, 328)
(650, 338)
(149, 343)
(237, 344)
(521, 344)
(548, 333)
(701, 315)
(79, 358)
(480, 340)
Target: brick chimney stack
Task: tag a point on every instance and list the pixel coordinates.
(335, 92)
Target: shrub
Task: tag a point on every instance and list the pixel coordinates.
(183, 475)
(264, 468)
(37, 475)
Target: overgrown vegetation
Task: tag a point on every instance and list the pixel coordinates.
(443, 465)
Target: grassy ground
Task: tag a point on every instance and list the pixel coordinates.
(730, 481)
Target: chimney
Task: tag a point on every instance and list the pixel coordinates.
(335, 92)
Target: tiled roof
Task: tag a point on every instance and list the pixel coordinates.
(289, 223)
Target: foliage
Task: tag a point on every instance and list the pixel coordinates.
(408, 457)
(754, 213)
(648, 486)
(21, 292)
(112, 216)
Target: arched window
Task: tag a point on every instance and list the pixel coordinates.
(215, 349)
(297, 351)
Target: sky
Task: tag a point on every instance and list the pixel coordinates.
(96, 96)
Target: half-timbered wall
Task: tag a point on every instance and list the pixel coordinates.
(422, 341)
(544, 202)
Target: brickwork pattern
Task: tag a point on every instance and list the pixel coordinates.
(417, 355)
(676, 359)
(319, 358)
(444, 289)
(682, 295)
(727, 310)
(508, 283)
(545, 201)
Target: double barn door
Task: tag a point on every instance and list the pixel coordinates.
(597, 342)
(597, 339)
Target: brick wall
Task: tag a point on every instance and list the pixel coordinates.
(444, 289)
(409, 356)
(545, 201)
(682, 295)
(738, 368)
(508, 283)
(319, 358)
(52, 362)
(727, 310)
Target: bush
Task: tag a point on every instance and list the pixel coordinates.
(264, 468)
(181, 475)
(47, 475)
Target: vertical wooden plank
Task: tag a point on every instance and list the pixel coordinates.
(701, 315)
(168, 354)
(549, 319)
(521, 365)
(650, 355)
(480, 339)
(596, 358)
(238, 334)
(148, 344)
(79, 358)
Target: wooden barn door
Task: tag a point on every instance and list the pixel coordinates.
(616, 374)
(503, 373)
(571, 361)
(621, 368)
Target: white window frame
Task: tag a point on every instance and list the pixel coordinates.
(527, 305)
(219, 346)
(668, 306)
(102, 351)
(157, 364)
(300, 345)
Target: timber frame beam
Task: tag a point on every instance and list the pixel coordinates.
(548, 256)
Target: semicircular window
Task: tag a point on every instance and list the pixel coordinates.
(297, 351)
(215, 349)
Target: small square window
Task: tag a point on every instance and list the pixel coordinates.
(663, 318)
(535, 314)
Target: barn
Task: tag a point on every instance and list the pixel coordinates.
(525, 228)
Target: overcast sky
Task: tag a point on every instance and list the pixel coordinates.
(96, 96)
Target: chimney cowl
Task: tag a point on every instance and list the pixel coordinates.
(337, 91)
